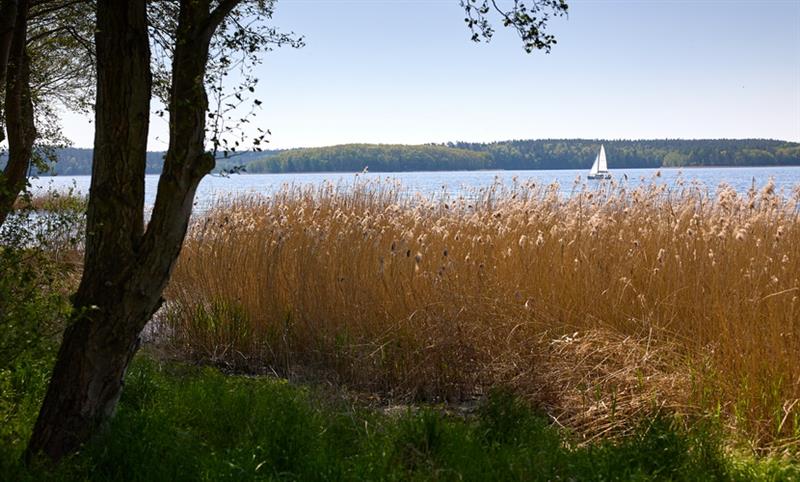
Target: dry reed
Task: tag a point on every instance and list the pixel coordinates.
(599, 305)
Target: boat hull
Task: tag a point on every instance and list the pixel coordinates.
(599, 175)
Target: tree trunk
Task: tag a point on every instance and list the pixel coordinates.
(19, 112)
(126, 269)
(108, 310)
(8, 17)
(186, 161)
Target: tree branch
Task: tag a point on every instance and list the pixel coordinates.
(216, 17)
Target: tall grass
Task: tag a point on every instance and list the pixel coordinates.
(177, 423)
(599, 305)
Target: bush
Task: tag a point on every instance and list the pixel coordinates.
(34, 287)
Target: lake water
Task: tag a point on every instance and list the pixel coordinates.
(455, 182)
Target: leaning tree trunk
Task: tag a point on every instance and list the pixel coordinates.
(108, 312)
(126, 268)
(8, 19)
(18, 110)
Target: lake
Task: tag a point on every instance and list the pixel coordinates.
(455, 182)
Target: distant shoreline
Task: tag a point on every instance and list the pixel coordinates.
(513, 155)
(612, 170)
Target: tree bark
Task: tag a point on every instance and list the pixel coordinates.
(126, 269)
(108, 310)
(18, 110)
(8, 18)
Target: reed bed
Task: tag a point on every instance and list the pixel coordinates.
(609, 303)
(53, 222)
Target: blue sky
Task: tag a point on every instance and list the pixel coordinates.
(404, 71)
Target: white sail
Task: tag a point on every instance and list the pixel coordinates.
(596, 165)
(602, 165)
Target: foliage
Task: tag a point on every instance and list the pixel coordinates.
(532, 154)
(357, 157)
(37, 244)
(23, 380)
(528, 18)
(62, 71)
(182, 423)
(73, 161)
(579, 153)
(30, 310)
(237, 47)
(60, 37)
(522, 154)
(542, 154)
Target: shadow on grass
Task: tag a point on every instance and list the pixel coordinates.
(182, 423)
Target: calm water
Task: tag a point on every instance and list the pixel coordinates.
(454, 182)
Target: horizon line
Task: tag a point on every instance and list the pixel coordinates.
(535, 139)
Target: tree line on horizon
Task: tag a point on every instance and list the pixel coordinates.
(503, 155)
(532, 154)
(655, 153)
(77, 161)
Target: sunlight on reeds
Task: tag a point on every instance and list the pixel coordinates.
(598, 306)
(53, 221)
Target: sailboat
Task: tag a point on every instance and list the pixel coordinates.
(599, 169)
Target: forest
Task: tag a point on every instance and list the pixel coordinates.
(375, 157)
(464, 156)
(533, 154)
(73, 161)
(579, 153)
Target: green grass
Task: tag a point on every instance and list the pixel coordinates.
(182, 423)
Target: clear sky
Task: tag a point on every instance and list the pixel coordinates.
(404, 71)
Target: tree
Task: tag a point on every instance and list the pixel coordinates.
(126, 266)
(43, 62)
(15, 78)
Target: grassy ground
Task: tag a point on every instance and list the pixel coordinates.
(181, 423)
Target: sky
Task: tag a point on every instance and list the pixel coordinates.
(405, 71)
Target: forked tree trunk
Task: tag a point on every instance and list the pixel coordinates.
(125, 268)
(15, 78)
